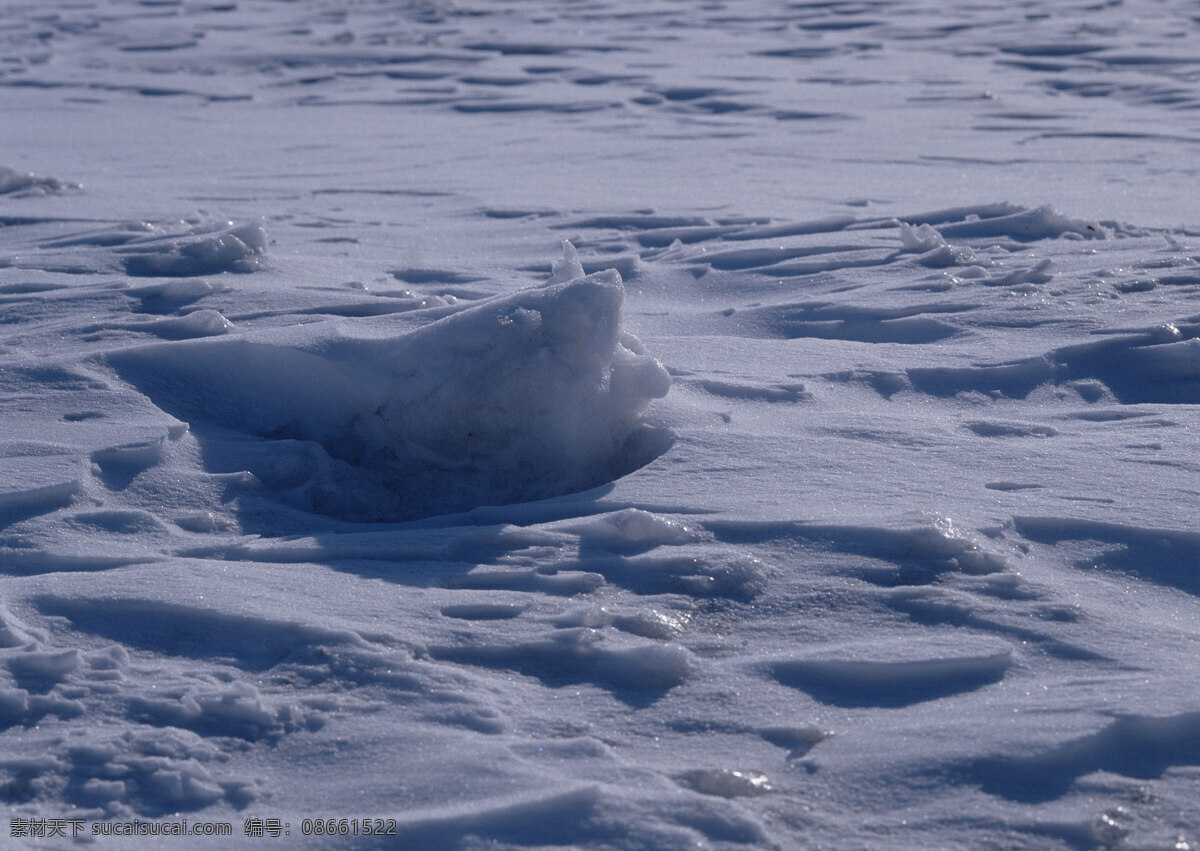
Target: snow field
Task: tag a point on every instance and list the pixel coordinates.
(623, 426)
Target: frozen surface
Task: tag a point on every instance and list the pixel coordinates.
(622, 425)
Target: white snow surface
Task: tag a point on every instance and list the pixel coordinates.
(607, 425)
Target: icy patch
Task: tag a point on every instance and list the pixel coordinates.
(726, 782)
(517, 397)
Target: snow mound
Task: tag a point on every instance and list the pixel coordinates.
(205, 249)
(633, 530)
(23, 183)
(522, 396)
(1025, 225)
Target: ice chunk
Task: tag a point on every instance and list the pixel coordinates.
(921, 238)
(568, 268)
(522, 396)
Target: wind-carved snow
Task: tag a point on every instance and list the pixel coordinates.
(518, 397)
(916, 568)
(141, 249)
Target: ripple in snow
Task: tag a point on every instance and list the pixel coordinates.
(886, 674)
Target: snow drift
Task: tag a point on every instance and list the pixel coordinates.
(518, 397)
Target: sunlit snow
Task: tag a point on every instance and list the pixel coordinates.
(612, 425)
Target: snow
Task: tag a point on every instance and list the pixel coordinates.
(505, 399)
(621, 425)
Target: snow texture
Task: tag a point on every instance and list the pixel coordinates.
(623, 425)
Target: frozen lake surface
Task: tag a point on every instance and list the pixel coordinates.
(607, 425)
